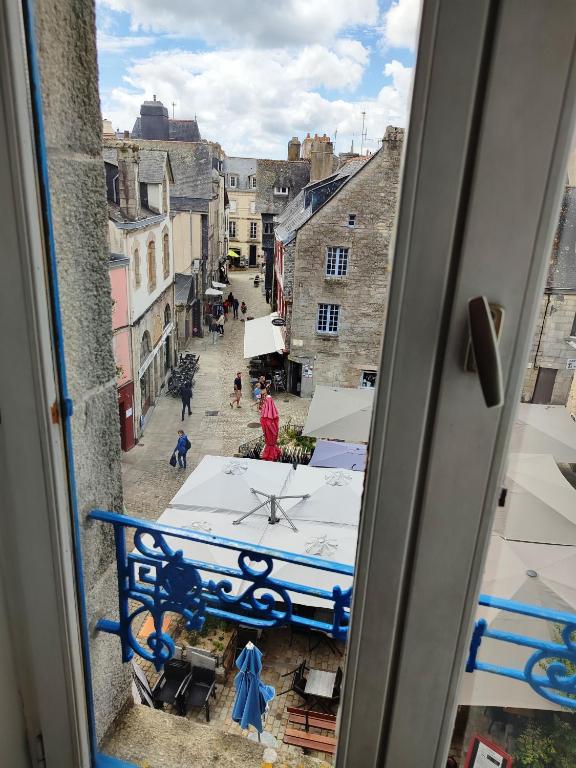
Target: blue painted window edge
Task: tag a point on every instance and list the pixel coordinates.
(105, 761)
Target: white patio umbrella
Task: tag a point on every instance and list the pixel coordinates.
(213, 292)
(336, 453)
(218, 285)
(543, 576)
(544, 429)
(340, 413)
(540, 504)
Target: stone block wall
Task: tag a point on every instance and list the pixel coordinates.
(363, 294)
(550, 347)
(66, 39)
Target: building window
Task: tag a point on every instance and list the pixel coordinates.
(137, 274)
(280, 190)
(167, 315)
(151, 261)
(328, 316)
(233, 181)
(232, 206)
(166, 255)
(253, 229)
(252, 182)
(336, 261)
(268, 228)
(252, 207)
(368, 379)
(351, 219)
(573, 331)
(232, 228)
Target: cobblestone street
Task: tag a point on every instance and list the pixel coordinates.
(149, 481)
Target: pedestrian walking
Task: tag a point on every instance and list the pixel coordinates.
(230, 299)
(235, 305)
(237, 394)
(226, 308)
(220, 323)
(186, 397)
(243, 309)
(182, 447)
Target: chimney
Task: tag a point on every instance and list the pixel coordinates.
(294, 148)
(306, 148)
(154, 120)
(322, 158)
(128, 182)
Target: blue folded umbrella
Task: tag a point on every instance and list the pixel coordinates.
(252, 696)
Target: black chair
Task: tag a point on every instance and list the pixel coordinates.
(168, 690)
(298, 683)
(335, 700)
(200, 688)
(172, 686)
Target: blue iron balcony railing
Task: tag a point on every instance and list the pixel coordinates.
(155, 578)
(551, 669)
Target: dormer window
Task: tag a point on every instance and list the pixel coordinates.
(351, 219)
(280, 190)
(252, 182)
(232, 181)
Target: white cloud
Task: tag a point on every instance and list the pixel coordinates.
(262, 23)
(252, 104)
(117, 44)
(401, 24)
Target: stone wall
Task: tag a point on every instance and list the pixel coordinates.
(66, 40)
(362, 295)
(550, 347)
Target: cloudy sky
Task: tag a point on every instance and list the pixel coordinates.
(256, 72)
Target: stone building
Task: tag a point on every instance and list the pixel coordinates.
(332, 269)
(154, 123)
(244, 225)
(552, 360)
(138, 191)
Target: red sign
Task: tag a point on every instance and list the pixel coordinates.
(484, 754)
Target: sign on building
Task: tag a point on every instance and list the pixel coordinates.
(571, 364)
(484, 754)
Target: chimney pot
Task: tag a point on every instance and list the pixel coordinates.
(128, 182)
(126, 134)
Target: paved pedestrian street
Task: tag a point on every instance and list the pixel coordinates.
(149, 481)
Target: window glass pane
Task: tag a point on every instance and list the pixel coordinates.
(516, 702)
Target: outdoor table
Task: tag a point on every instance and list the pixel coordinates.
(320, 685)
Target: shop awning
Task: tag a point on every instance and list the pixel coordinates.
(340, 413)
(261, 337)
(233, 255)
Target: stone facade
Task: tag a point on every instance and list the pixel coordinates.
(361, 295)
(245, 225)
(66, 38)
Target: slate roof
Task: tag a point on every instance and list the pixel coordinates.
(196, 204)
(297, 212)
(147, 217)
(562, 270)
(293, 174)
(178, 130)
(192, 169)
(243, 167)
(151, 166)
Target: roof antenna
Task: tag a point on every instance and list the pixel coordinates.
(173, 105)
(363, 133)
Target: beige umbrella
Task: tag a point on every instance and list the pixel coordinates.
(340, 413)
(543, 576)
(544, 429)
(540, 504)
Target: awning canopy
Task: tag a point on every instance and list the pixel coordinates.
(544, 429)
(337, 454)
(218, 285)
(213, 292)
(340, 413)
(233, 255)
(261, 337)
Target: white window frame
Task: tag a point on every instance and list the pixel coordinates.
(253, 230)
(252, 182)
(406, 609)
(325, 315)
(233, 180)
(281, 190)
(337, 261)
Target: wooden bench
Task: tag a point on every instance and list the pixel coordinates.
(306, 739)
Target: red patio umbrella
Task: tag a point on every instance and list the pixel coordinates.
(270, 421)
